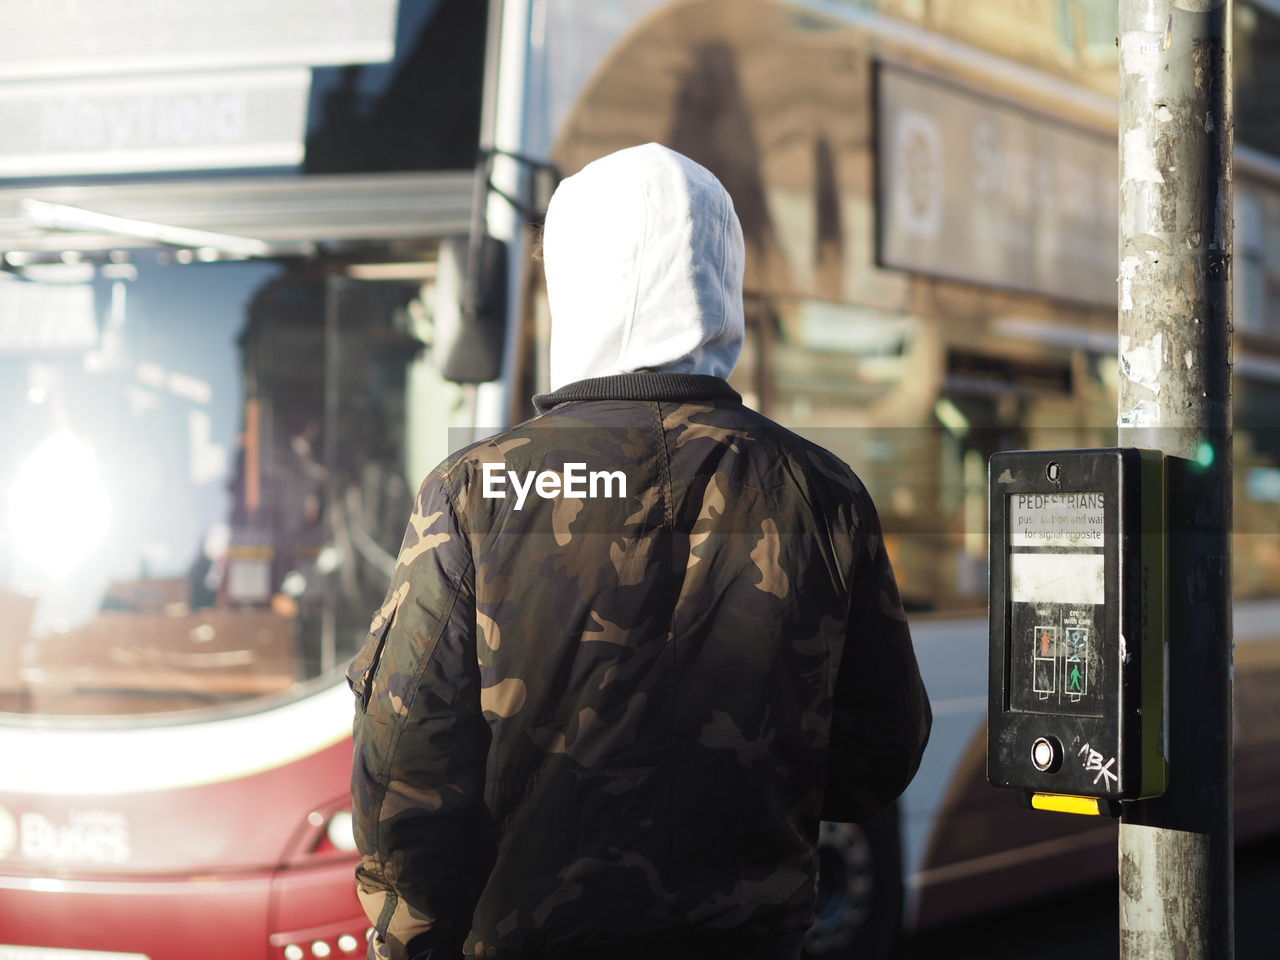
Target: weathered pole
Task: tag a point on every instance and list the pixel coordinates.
(1176, 858)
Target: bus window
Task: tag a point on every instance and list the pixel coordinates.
(205, 476)
(862, 382)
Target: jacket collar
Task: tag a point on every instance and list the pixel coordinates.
(640, 386)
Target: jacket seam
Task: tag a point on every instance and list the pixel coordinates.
(384, 776)
(444, 625)
(402, 718)
(671, 647)
(668, 513)
(458, 519)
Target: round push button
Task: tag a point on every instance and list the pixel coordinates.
(1046, 754)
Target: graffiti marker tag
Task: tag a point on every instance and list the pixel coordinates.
(1093, 762)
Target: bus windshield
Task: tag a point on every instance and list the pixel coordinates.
(205, 477)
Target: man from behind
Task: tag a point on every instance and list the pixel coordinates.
(636, 647)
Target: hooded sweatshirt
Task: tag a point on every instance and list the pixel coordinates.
(604, 724)
(644, 258)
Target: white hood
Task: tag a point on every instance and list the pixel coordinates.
(643, 255)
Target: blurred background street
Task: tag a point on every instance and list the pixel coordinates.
(265, 263)
(1084, 923)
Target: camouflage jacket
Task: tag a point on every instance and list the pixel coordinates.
(617, 707)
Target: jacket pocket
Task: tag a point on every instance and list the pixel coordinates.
(364, 668)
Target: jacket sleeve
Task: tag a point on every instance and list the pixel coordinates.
(421, 744)
(881, 717)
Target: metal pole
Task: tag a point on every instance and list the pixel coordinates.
(506, 111)
(336, 287)
(1176, 858)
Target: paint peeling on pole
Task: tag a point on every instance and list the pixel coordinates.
(1174, 395)
(1175, 249)
(1139, 159)
(1143, 363)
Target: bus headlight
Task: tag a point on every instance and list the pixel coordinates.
(326, 834)
(340, 832)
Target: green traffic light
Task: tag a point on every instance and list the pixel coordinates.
(1205, 453)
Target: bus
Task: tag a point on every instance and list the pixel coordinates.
(263, 269)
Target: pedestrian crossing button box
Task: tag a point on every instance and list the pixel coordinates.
(1076, 706)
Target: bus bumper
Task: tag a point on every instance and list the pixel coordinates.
(247, 915)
